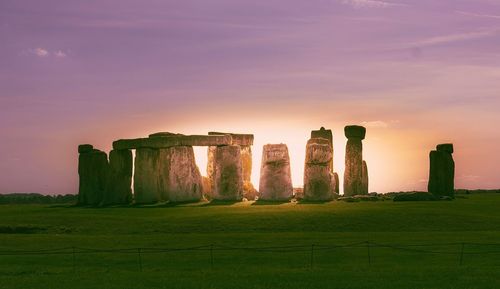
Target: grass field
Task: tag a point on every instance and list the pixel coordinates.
(470, 219)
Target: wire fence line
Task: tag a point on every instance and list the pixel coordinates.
(460, 249)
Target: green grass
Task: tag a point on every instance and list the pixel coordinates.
(474, 219)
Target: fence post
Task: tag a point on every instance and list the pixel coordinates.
(369, 253)
(312, 256)
(74, 260)
(140, 259)
(462, 254)
(211, 256)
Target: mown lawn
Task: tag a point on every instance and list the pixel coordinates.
(388, 245)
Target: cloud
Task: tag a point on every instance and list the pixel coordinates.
(478, 15)
(375, 124)
(60, 54)
(455, 37)
(40, 52)
(369, 3)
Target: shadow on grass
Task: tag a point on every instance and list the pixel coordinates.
(270, 203)
(305, 202)
(219, 203)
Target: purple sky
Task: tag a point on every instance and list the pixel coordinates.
(416, 73)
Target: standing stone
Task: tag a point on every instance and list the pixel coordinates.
(353, 175)
(364, 179)
(210, 171)
(442, 171)
(146, 176)
(227, 173)
(119, 183)
(319, 181)
(179, 177)
(275, 174)
(249, 192)
(245, 141)
(92, 171)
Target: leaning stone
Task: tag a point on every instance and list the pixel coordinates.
(92, 171)
(85, 148)
(275, 174)
(146, 176)
(119, 183)
(179, 179)
(227, 175)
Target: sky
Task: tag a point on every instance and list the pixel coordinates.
(414, 73)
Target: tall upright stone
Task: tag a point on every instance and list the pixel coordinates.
(364, 179)
(353, 175)
(227, 184)
(119, 181)
(319, 180)
(146, 176)
(210, 171)
(179, 177)
(275, 173)
(442, 171)
(92, 171)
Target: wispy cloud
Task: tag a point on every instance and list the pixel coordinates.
(370, 3)
(444, 39)
(60, 54)
(478, 15)
(379, 123)
(40, 52)
(43, 52)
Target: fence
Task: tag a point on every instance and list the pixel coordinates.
(209, 252)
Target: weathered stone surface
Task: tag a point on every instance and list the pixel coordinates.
(246, 162)
(275, 174)
(353, 174)
(92, 171)
(364, 179)
(179, 177)
(249, 191)
(146, 176)
(237, 138)
(157, 142)
(227, 175)
(447, 147)
(442, 172)
(319, 181)
(164, 134)
(119, 181)
(323, 133)
(355, 131)
(85, 148)
(318, 151)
